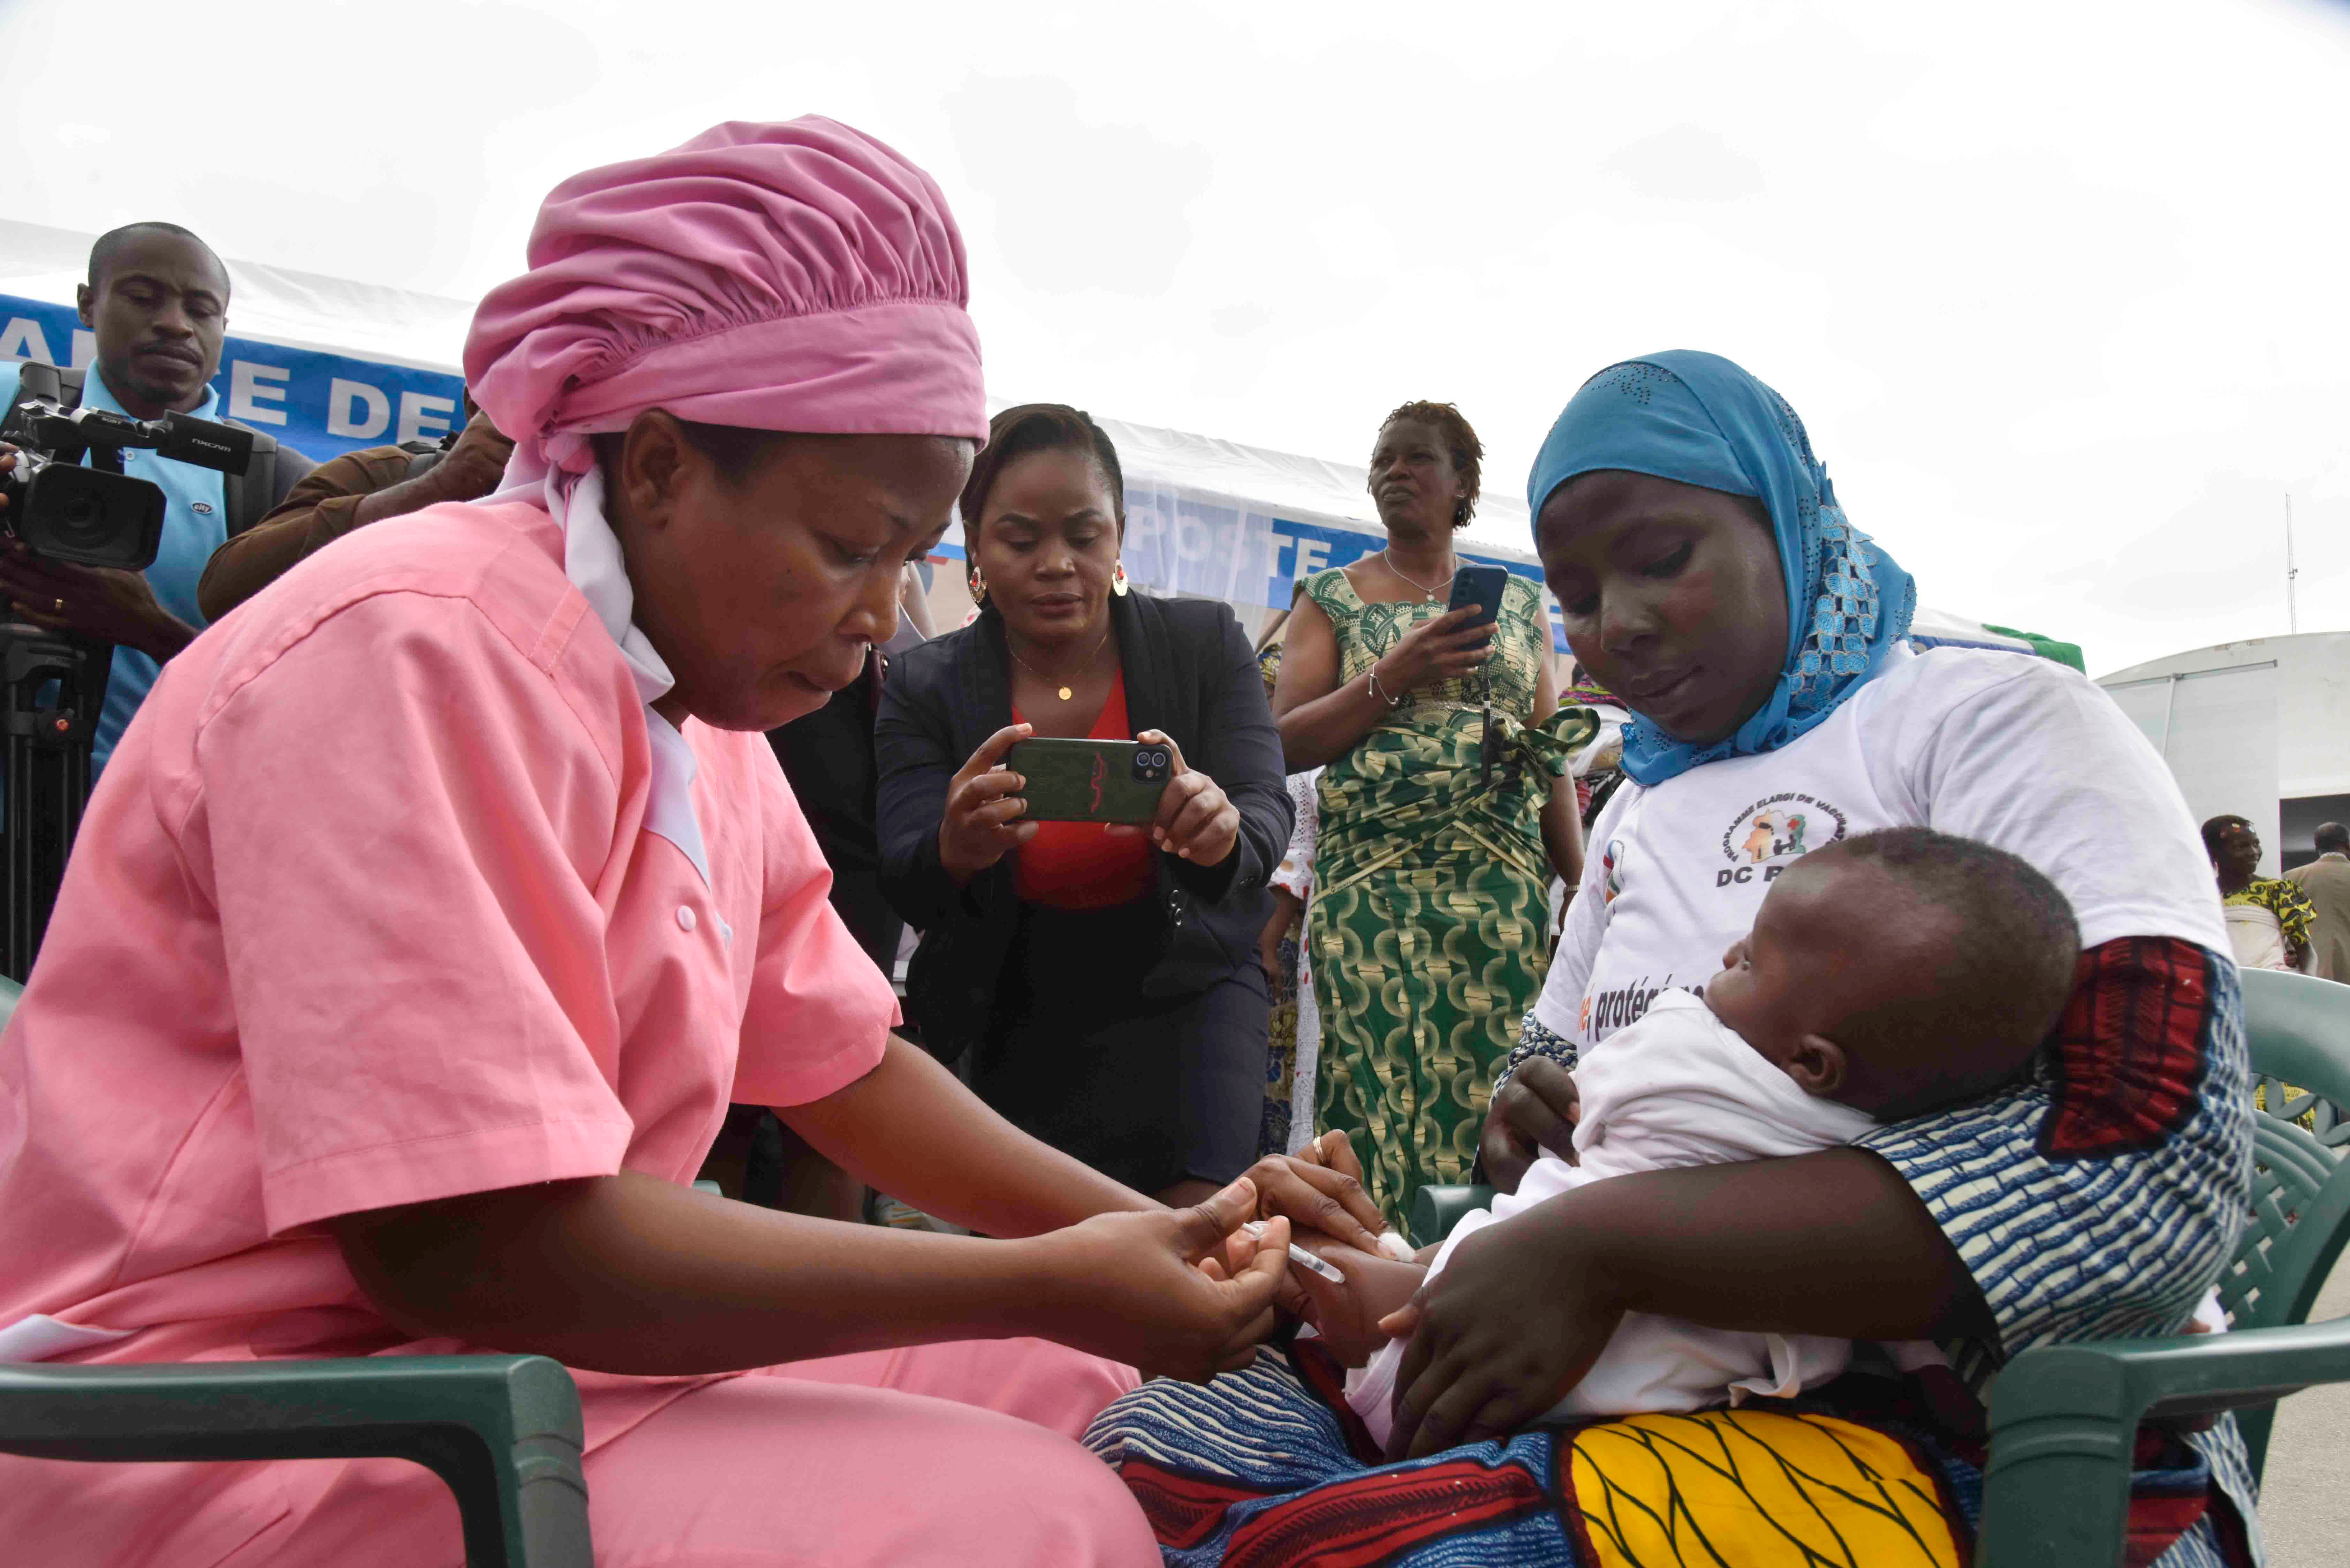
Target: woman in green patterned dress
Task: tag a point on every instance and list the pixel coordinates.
(1443, 815)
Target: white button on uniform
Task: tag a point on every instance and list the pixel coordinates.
(685, 917)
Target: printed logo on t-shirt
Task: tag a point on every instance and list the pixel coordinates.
(203, 508)
(1611, 869)
(1773, 833)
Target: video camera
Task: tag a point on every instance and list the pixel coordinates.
(68, 496)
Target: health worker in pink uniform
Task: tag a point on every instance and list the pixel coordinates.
(442, 897)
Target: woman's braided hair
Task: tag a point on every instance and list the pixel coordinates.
(1459, 439)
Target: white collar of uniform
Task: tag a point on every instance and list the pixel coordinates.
(592, 560)
(668, 802)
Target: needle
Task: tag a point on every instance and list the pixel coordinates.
(1301, 1257)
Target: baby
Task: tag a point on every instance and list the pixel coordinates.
(1885, 976)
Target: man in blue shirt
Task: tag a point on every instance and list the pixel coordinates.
(157, 301)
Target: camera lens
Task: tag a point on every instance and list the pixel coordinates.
(81, 512)
(90, 517)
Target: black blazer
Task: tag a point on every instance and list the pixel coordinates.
(1189, 672)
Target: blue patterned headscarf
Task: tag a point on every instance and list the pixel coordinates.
(1698, 419)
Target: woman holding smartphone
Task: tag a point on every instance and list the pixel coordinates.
(1444, 814)
(1104, 977)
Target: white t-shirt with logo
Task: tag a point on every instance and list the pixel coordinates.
(2015, 751)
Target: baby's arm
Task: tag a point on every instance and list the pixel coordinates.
(1348, 1316)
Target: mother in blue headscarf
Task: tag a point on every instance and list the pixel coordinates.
(1710, 579)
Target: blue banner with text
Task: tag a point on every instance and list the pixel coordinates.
(320, 404)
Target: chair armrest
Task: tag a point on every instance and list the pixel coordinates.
(1436, 1209)
(504, 1432)
(2064, 1420)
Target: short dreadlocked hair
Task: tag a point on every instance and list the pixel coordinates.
(1460, 440)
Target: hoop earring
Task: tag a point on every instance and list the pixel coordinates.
(978, 586)
(1117, 583)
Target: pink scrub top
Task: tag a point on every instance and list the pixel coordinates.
(374, 906)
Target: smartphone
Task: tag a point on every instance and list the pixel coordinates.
(1481, 587)
(1091, 780)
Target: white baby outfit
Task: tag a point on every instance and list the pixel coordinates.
(1676, 1088)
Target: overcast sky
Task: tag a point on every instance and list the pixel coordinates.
(2059, 287)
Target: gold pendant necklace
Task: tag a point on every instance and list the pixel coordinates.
(1426, 592)
(1064, 693)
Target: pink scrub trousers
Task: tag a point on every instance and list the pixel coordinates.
(947, 1454)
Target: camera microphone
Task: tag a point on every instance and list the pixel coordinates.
(186, 439)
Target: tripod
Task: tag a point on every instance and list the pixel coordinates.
(52, 687)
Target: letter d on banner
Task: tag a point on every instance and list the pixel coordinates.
(343, 401)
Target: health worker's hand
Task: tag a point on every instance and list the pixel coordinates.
(1534, 1113)
(1320, 1188)
(983, 806)
(1147, 1288)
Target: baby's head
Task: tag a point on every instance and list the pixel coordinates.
(1901, 971)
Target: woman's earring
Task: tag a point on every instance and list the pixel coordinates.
(978, 588)
(1117, 583)
(1460, 513)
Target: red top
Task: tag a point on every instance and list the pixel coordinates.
(1078, 864)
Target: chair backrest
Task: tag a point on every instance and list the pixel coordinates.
(2270, 1281)
(2298, 1030)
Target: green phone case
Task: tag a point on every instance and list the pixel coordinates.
(1091, 780)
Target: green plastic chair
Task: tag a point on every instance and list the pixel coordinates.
(2064, 1418)
(504, 1432)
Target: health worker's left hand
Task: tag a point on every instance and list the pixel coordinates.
(1514, 1322)
(1319, 1188)
(1195, 820)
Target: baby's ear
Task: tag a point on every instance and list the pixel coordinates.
(1817, 1065)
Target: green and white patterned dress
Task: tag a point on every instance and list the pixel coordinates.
(1428, 931)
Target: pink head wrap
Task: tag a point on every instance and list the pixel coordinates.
(798, 276)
